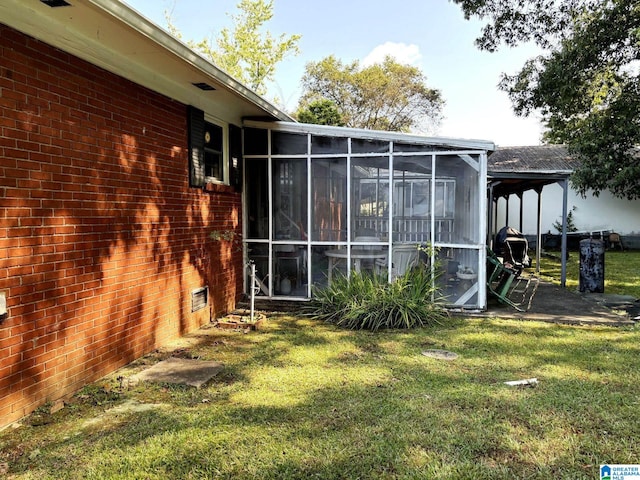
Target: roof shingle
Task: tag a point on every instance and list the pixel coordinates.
(540, 158)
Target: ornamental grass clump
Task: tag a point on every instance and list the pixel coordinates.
(364, 301)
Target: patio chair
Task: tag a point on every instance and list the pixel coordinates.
(289, 262)
(403, 257)
(367, 264)
(367, 239)
(508, 285)
(615, 240)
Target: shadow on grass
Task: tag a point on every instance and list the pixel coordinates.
(374, 407)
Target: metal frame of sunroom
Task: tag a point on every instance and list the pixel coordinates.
(440, 155)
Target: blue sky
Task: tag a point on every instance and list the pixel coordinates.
(430, 34)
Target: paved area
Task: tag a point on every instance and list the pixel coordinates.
(181, 371)
(560, 305)
(551, 303)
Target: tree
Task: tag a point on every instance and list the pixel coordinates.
(245, 52)
(587, 85)
(383, 96)
(320, 112)
(570, 224)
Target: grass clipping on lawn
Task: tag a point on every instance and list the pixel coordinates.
(365, 301)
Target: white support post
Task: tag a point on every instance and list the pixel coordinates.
(253, 288)
(520, 197)
(390, 218)
(309, 213)
(539, 230)
(563, 274)
(349, 212)
(482, 252)
(506, 210)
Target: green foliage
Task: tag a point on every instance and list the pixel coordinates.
(320, 112)
(571, 226)
(246, 53)
(511, 23)
(368, 302)
(384, 96)
(229, 236)
(587, 87)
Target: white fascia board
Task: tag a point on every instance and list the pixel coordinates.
(527, 173)
(373, 134)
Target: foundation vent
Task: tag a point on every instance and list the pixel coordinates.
(199, 298)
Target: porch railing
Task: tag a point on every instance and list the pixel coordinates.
(406, 229)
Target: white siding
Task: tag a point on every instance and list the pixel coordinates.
(605, 212)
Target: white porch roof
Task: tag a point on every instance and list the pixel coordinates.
(444, 142)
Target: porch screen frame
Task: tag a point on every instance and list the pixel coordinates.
(476, 158)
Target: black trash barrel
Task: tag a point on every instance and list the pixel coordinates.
(592, 266)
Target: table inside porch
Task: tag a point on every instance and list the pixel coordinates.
(357, 255)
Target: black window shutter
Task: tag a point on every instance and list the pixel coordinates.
(196, 147)
(235, 157)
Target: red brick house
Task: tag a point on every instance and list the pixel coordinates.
(121, 151)
(108, 193)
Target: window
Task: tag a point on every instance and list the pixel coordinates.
(210, 143)
(412, 198)
(213, 152)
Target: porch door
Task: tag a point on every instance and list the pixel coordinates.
(289, 236)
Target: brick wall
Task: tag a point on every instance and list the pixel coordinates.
(101, 238)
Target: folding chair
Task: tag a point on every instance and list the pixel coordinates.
(508, 285)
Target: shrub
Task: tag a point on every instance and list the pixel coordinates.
(368, 302)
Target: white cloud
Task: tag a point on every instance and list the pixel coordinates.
(401, 52)
(504, 129)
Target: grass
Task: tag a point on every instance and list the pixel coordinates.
(622, 271)
(305, 399)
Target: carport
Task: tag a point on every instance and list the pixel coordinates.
(515, 170)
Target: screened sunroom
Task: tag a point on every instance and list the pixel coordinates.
(326, 201)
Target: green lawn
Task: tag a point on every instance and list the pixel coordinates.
(301, 399)
(621, 271)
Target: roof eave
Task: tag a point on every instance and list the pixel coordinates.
(138, 22)
(520, 173)
(116, 38)
(483, 145)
